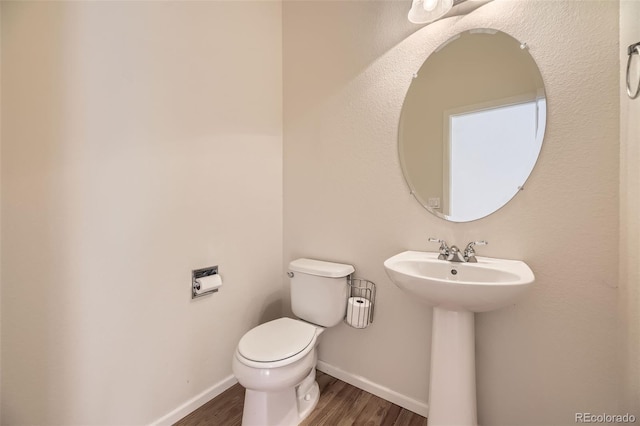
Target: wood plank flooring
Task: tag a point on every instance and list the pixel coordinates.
(340, 404)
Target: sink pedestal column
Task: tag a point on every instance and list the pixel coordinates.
(452, 387)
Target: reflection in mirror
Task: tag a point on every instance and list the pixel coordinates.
(472, 125)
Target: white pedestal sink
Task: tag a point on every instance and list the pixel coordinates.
(456, 291)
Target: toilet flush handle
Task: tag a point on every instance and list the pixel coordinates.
(290, 274)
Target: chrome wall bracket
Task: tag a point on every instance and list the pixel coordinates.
(632, 50)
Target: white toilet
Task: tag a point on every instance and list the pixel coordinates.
(276, 361)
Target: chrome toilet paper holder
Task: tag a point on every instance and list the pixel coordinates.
(196, 274)
(361, 291)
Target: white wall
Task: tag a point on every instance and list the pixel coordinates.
(541, 360)
(140, 140)
(629, 214)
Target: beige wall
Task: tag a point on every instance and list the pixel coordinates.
(541, 360)
(113, 115)
(140, 140)
(629, 214)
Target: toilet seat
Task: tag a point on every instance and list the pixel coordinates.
(276, 343)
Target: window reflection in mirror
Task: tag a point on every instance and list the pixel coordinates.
(500, 139)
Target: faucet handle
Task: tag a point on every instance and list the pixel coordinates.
(469, 254)
(477, 243)
(444, 248)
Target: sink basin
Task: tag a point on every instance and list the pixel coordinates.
(476, 287)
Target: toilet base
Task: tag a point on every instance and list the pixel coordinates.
(308, 394)
(285, 408)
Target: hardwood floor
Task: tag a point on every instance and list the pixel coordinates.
(340, 404)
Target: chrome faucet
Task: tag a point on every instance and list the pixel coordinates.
(444, 248)
(469, 254)
(453, 253)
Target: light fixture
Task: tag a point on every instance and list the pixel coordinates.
(429, 5)
(426, 11)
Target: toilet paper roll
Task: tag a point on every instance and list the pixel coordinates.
(208, 283)
(358, 312)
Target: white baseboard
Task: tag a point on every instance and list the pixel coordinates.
(404, 401)
(196, 402)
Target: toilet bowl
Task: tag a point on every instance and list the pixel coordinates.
(276, 361)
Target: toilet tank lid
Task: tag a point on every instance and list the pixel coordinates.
(321, 268)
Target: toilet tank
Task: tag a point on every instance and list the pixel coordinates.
(319, 290)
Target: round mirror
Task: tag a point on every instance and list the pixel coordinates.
(472, 125)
